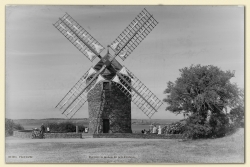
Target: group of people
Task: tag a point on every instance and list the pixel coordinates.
(153, 130)
(39, 133)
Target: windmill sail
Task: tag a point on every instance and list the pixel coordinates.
(74, 91)
(132, 36)
(77, 95)
(79, 37)
(137, 91)
(82, 98)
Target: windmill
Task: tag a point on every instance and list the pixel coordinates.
(108, 87)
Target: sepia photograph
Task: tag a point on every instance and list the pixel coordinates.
(155, 84)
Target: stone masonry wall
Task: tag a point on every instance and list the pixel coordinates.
(94, 104)
(116, 107)
(23, 134)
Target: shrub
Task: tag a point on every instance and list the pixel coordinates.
(10, 126)
(236, 116)
(65, 127)
(81, 128)
(194, 129)
(174, 128)
(219, 123)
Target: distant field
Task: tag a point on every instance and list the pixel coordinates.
(137, 124)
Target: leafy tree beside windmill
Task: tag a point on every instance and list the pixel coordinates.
(204, 94)
(108, 87)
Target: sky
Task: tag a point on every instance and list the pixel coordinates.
(42, 65)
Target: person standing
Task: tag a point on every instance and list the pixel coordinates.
(154, 130)
(42, 130)
(151, 128)
(48, 130)
(159, 130)
(86, 129)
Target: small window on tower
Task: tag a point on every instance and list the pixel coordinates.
(106, 86)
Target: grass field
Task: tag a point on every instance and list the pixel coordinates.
(229, 149)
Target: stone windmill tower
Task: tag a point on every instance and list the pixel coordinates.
(108, 87)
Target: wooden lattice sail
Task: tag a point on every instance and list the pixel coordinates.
(79, 37)
(133, 34)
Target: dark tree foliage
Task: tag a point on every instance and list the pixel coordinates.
(236, 115)
(10, 126)
(202, 92)
(194, 129)
(65, 127)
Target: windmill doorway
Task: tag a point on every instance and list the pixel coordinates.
(105, 125)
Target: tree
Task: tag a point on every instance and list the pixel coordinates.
(236, 115)
(10, 126)
(201, 90)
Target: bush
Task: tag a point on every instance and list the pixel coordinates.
(219, 123)
(81, 128)
(65, 127)
(10, 126)
(194, 128)
(174, 128)
(236, 116)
